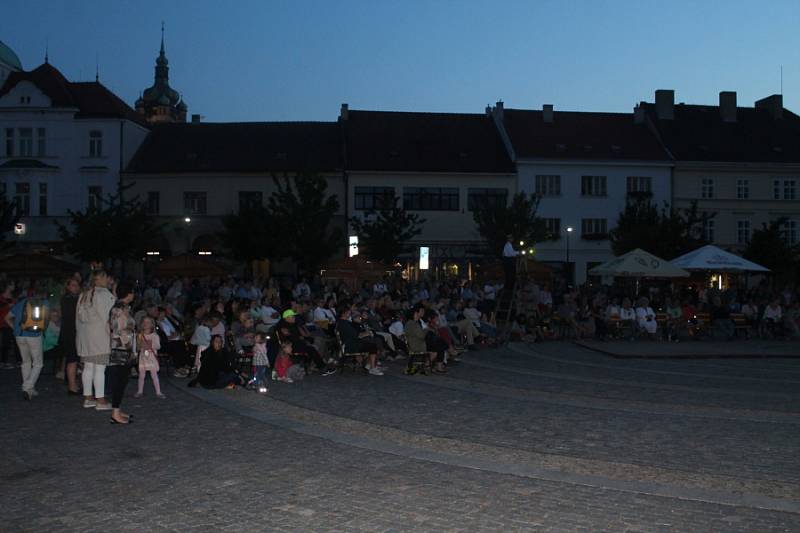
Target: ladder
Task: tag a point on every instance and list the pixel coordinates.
(507, 304)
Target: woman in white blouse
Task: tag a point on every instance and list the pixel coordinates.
(646, 317)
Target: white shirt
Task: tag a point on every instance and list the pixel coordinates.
(472, 314)
(508, 250)
(773, 313)
(627, 314)
(266, 315)
(396, 328)
(322, 313)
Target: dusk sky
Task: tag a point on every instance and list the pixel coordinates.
(258, 60)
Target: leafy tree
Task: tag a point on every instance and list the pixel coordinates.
(518, 219)
(665, 232)
(247, 234)
(117, 229)
(9, 216)
(299, 216)
(387, 236)
(768, 247)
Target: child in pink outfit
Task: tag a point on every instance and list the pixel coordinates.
(148, 345)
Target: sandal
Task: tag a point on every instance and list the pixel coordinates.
(115, 421)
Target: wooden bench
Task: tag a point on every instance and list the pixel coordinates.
(741, 324)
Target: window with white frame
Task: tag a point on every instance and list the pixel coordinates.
(95, 143)
(553, 228)
(486, 198)
(707, 188)
(742, 231)
(377, 198)
(708, 230)
(43, 199)
(95, 197)
(639, 184)
(593, 185)
(41, 142)
(789, 190)
(26, 142)
(194, 203)
(548, 185)
(430, 198)
(22, 198)
(789, 232)
(742, 189)
(593, 226)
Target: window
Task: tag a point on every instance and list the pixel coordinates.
(367, 198)
(43, 199)
(153, 203)
(9, 142)
(250, 199)
(553, 228)
(95, 143)
(486, 198)
(742, 231)
(593, 226)
(593, 185)
(26, 142)
(95, 197)
(22, 198)
(789, 232)
(41, 142)
(548, 185)
(742, 189)
(430, 198)
(708, 230)
(784, 189)
(640, 184)
(194, 203)
(707, 188)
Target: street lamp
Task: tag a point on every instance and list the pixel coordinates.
(187, 221)
(567, 268)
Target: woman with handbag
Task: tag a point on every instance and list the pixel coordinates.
(123, 351)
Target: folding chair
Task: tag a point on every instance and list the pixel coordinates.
(355, 359)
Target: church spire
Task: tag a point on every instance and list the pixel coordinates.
(162, 38)
(160, 102)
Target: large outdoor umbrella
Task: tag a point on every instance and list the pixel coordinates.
(717, 260)
(638, 264)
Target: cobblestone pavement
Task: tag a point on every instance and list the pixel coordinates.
(551, 437)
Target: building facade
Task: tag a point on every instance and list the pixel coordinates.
(64, 146)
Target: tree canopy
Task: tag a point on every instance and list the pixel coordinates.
(9, 216)
(385, 233)
(518, 219)
(769, 247)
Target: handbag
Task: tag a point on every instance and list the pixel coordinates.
(119, 356)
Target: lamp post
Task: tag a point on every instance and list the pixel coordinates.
(567, 269)
(188, 221)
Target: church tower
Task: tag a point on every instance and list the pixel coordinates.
(161, 103)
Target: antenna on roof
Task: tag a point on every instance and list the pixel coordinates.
(781, 80)
(47, 50)
(96, 68)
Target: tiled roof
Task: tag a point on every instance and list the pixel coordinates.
(240, 147)
(698, 133)
(424, 142)
(578, 135)
(92, 99)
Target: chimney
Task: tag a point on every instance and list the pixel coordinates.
(344, 113)
(547, 113)
(498, 110)
(727, 106)
(665, 104)
(773, 104)
(638, 115)
(196, 119)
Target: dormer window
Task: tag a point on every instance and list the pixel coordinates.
(95, 143)
(23, 100)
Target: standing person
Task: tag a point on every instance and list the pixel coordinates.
(148, 345)
(28, 320)
(260, 364)
(93, 338)
(7, 355)
(509, 262)
(66, 337)
(122, 329)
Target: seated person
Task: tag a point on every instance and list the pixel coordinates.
(285, 370)
(302, 343)
(397, 331)
(646, 317)
(217, 368)
(721, 319)
(773, 318)
(433, 339)
(478, 320)
(675, 322)
(357, 340)
(627, 317)
(416, 337)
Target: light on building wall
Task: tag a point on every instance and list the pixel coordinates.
(20, 229)
(153, 253)
(353, 245)
(423, 257)
(187, 220)
(204, 253)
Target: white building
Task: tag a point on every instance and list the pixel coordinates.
(64, 145)
(583, 165)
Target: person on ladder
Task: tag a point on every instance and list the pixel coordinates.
(510, 262)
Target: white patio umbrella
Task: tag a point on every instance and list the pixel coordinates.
(715, 259)
(638, 264)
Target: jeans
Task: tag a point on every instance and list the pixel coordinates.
(259, 375)
(94, 374)
(30, 349)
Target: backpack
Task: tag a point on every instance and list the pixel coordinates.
(34, 316)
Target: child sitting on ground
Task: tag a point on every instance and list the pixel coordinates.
(201, 340)
(148, 344)
(260, 364)
(284, 369)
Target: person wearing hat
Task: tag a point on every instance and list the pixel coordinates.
(288, 329)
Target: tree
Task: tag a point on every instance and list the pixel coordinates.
(768, 247)
(299, 215)
(665, 232)
(387, 235)
(518, 220)
(9, 216)
(247, 234)
(116, 229)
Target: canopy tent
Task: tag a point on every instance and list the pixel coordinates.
(638, 264)
(36, 265)
(716, 260)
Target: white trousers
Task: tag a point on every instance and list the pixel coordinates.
(94, 374)
(30, 349)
